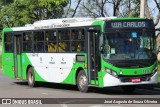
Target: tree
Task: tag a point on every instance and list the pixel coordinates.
(95, 8)
(5, 2)
(105, 8)
(158, 16)
(116, 6)
(130, 8)
(21, 12)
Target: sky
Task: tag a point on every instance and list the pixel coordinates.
(155, 11)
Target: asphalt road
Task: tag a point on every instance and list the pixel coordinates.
(10, 88)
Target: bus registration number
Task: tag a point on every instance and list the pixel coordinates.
(136, 80)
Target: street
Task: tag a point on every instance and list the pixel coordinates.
(10, 88)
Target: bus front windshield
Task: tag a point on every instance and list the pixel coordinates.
(129, 45)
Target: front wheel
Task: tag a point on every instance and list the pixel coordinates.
(82, 81)
(31, 77)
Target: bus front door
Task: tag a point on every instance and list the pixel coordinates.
(17, 56)
(93, 56)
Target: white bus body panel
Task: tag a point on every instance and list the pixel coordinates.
(52, 67)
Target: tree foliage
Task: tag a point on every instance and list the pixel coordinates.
(21, 12)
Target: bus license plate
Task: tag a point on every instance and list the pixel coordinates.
(136, 80)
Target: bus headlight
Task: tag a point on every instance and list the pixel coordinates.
(113, 73)
(154, 70)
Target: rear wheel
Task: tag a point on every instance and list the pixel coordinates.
(128, 89)
(82, 81)
(31, 77)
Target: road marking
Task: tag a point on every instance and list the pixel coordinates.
(45, 93)
(103, 106)
(96, 106)
(63, 105)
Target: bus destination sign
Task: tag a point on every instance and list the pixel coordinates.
(129, 24)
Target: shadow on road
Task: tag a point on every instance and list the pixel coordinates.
(108, 90)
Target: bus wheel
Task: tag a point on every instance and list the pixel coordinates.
(31, 77)
(128, 89)
(82, 81)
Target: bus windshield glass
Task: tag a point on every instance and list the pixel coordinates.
(129, 45)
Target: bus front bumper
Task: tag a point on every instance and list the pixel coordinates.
(110, 80)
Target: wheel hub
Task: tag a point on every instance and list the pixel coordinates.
(30, 78)
(82, 81)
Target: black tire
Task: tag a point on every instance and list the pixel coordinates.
(128, 89)
(31, 77)
(82, 81)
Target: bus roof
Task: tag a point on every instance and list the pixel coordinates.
(64, 22)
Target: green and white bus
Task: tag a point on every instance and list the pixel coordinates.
(101, 52)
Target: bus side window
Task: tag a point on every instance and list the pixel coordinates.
(73, 38)
(27, 42)
(52, 47)
(77, 40)
(63, 40)
(8, 42)
(39, 41)
(50, 41)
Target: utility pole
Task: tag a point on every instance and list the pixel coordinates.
(142, 8)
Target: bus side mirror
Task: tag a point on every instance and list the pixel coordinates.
(101, 44)
(101, 40)
(102, 49)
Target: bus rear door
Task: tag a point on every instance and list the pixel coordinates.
(17, 55)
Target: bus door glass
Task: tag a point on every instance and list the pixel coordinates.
(17, 55)
(93, 54)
